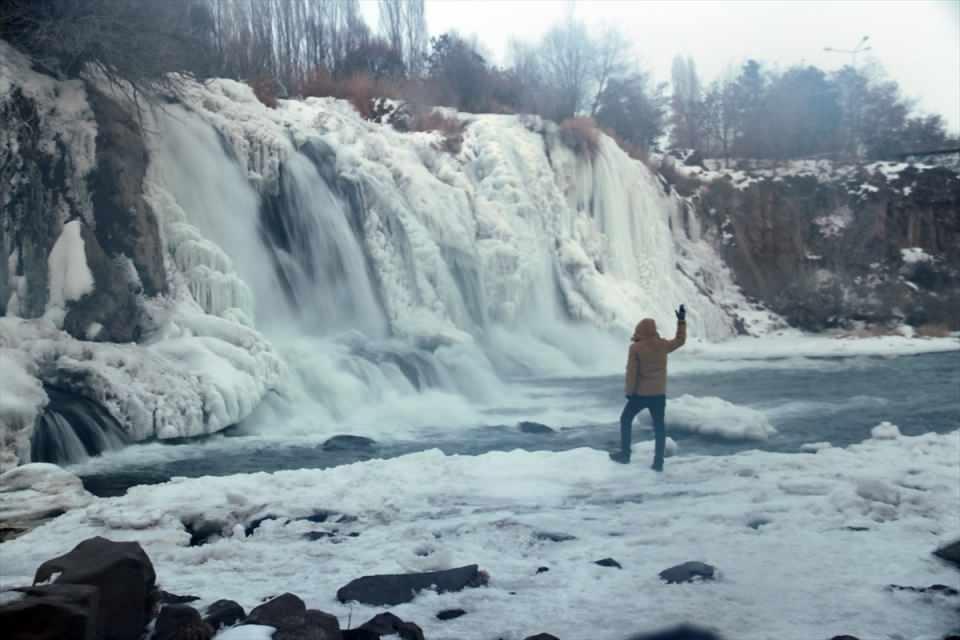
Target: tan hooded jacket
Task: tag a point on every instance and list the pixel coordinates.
(647, 360)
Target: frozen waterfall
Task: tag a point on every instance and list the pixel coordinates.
(400, 283)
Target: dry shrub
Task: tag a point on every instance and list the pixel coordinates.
(265, 88)
(451, 128)
(581, 135)
(933, 330)
(359, 89)
(319, 83)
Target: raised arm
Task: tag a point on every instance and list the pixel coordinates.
(681, 338)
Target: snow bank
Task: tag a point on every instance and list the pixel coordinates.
(452, 510)
(717, 417)
(796, 344)
(34, 491)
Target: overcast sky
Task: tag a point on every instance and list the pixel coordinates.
(916, 41)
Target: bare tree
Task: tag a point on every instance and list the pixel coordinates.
(416, 36)
(720, 112)
(612, 59)
(567, 56)
(391, 23)
(686, 105)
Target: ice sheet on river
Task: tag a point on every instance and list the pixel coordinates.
(805, 544)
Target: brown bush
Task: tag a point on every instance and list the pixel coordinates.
(319, 83)
(358, 89)
(933, 330)
(265, 88)
(581, 135)
(451, 128)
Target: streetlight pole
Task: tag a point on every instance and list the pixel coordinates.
(860, 48)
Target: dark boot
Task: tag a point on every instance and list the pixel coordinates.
(621, 457)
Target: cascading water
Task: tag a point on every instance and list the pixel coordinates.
(71, 428)
(323, 265)
(403, 305)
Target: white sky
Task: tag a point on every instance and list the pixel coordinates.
(916, 41)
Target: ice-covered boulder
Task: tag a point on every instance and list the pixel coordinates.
(33, 493)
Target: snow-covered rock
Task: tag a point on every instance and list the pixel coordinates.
(33, 493)
(885, 431)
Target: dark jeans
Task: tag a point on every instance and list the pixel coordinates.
(658, 407)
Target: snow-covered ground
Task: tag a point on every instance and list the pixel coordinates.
(805, 544)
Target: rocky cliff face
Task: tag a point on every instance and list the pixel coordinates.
(833, 246)
(69, 152)
(90, 310)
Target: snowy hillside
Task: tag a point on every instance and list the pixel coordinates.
(344, 264)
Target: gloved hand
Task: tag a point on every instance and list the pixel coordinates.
(681, 314)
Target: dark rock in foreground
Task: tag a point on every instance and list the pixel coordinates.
(542, 636)
(53, 612)
(534, 427)
(181, 622)
(393, 589)
(608, 562)
(285, 612)
(950, 553)
(124, 576)
(386, 624)
(224, 613)
(349, 443)
(940, 589)
(687, 572)
(553, 536)
(165, 597)
(293, 621)
(326, 623)
(450, 614)
(683, 632)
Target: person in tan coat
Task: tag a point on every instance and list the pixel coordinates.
(646, 384)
